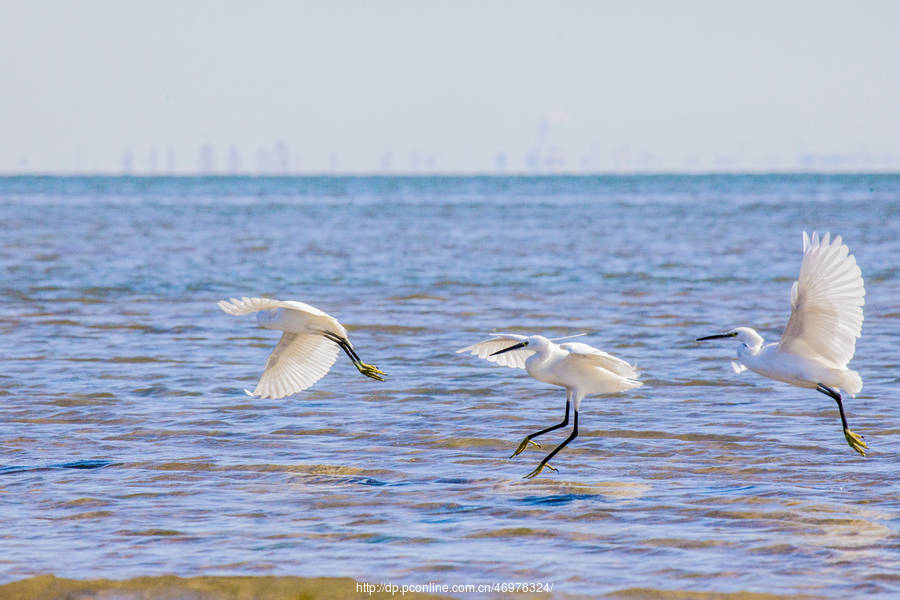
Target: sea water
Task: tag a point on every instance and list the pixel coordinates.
(128, 447)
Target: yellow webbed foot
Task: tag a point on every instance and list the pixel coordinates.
(856, 441)
(522, 446)
(538, 469)
(370, 371)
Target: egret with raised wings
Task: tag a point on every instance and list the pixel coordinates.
(307, 348)
(582, 369)
(820, 337)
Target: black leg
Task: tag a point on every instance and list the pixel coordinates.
(854, 440)
(349, 350)
(529, 437)
(837, 398)
(562, 423)
(544, 462)
(343, 345)
(367, 370)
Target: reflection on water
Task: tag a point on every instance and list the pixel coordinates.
(127, 446)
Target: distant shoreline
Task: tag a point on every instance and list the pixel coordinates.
(459, 175)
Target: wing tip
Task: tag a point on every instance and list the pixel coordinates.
(816, 240)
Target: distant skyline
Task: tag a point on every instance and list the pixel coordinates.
(448, 87)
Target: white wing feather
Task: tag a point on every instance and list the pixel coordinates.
(601, 359)
(515, 359)
(826, 303)
(298, 361)
(245, 306)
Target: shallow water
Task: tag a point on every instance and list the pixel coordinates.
(127, 446)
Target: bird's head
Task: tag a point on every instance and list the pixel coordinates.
(743, 334)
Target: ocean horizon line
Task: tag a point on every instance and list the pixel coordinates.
(449, 174)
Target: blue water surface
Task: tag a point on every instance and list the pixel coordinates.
(127, 446)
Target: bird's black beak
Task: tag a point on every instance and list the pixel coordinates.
(516, 347)
(717, 336)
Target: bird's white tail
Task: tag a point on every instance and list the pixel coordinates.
(850, 380)
(628, 384)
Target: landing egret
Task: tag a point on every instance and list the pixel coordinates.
(820, 337)
(307, 348)
(582, 369)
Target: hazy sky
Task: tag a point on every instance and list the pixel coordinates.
(102, 86)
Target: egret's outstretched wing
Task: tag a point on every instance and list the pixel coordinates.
(826, 303)
(601, 359)
(568, 337)
(298, 361)
(514, 359)
(245, 306)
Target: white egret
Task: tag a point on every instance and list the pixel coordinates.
(307, 348)
(820, 337)
(582, 369)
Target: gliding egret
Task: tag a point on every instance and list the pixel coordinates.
(820, 337)
(307, 348)
(582, 369)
